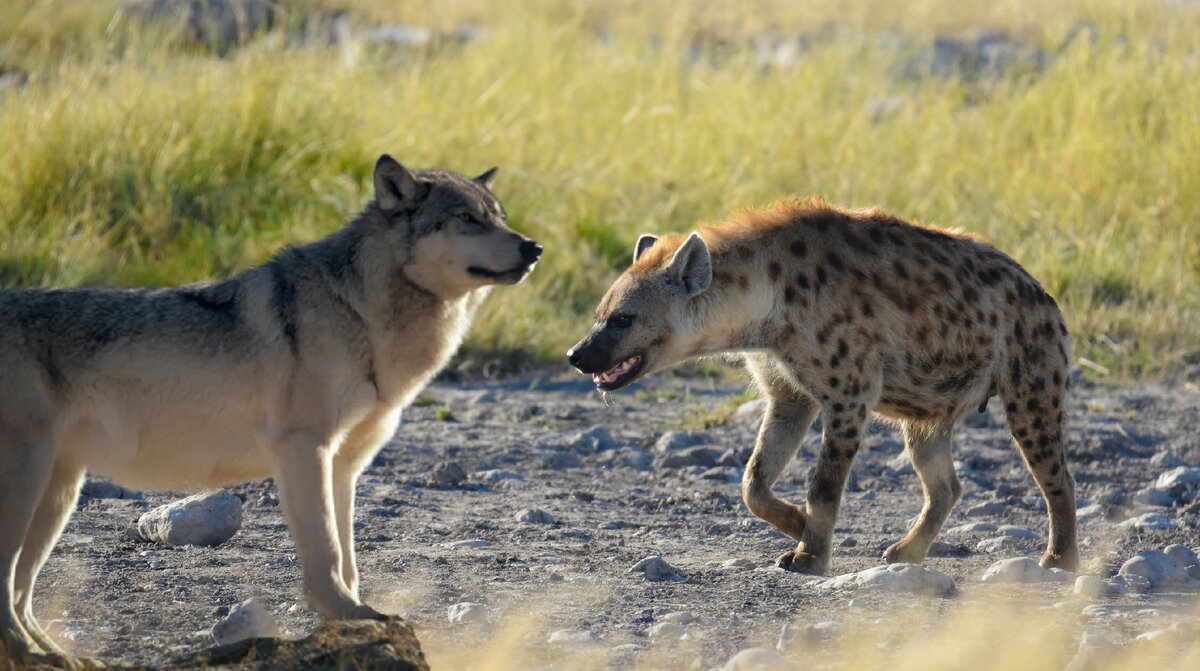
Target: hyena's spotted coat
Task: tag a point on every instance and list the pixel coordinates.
(843, 312)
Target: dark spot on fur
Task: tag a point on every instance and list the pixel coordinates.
(802, 281)
(744, 282)
(835, 261)
(789, 294)
(833, 382)
(821, 278)
(1015, 372)
(799, 249)
(867, 310)
(773, 270)
(838, 407)
(901, 271)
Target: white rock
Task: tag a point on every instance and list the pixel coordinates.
(675, 440)
(467, 544)
(657, 570)
(1092, 587)
(572, 637)
(1149, 522)
(666, 631)
(894, 578)
(593, 439)
(740, 564)
(1174, 566)
(750, 410)
(202, 519)
(493, 476)
(973, 528)
(1181, 476)
(248, 619)
(998, 544)
(1166, 460)
(467, 613)
(1023, 570)
(1018, 532)
(678, 617)
(1089, 511)
(534, 516)
(758, 659)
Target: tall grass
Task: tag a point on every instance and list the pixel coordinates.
(128, 159)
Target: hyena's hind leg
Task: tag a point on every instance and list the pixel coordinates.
(789, 414)
(1034, 406)
(929, 450)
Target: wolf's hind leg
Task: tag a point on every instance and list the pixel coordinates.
(58, 500)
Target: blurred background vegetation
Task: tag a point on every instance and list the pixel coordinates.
(143, 147)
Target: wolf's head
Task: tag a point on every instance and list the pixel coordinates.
(457, 232)
(643, 323)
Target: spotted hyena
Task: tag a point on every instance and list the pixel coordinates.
(845, 312)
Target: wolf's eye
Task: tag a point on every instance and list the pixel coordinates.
(620, 320)
(468, 223)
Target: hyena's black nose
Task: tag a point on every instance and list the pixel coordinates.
(574, 357)
(530, 251)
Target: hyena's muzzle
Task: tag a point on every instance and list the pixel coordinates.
(599, 355)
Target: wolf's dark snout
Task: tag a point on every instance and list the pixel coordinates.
(574, 356)
(530, 251)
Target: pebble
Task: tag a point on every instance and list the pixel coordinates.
(1166, 460)
(751, 410)
(894, 578)
(757, 659)
(657, 570)
(666, 631)
(678, 617)
(988, 509)
(202, 519)
(1018, 532)
(467, 544)
(672, 441)
(740, 564)
(1149, 522)
(593, 439)
(248, 619)
(973, 528)
(534, 516)
(467, 613)
(997, 545)
(493, 476)
(447, 474)
(1093, 587)
(1023, 570)
(572, 637)
(690, 456)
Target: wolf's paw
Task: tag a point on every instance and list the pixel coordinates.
(364, 612)
(903, 554)
(800, 561)
(1068, 561)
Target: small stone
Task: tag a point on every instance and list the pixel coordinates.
(1161, 568)
(572, 637)
(468, 544)
(740, 564)
(494, 476)
(1180, 476)
(988, 509)
(1018, 532)
(973, 528)
(534, 516)
(248, 619)
(447, 474)
(202, 519)
(672, 441)
(997, 545)
(690, 456)
(467, 613)
(593, 439)
(657, 570)
(666, 631)
(1166, 460)
(1092, 587)
(678, 617)
(758, 659)
(750, 410)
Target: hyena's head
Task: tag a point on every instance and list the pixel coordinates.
(644, 323)
(456, 231)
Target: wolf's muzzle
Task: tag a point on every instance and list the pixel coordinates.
(530, 251)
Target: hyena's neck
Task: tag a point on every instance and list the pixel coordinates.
(733, 314)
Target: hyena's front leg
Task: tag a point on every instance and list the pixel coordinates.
(843, 428)
(784, 425)
(304, 475)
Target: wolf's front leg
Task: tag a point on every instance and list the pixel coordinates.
(843, 429)
(304, 474)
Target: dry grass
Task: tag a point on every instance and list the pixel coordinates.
(132, 160)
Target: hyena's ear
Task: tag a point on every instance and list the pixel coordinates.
(487, 179)
(395, 185)
(691, 267)
(644, 242)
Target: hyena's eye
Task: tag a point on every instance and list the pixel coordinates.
(620, 320)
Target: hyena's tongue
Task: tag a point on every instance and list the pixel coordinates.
(616, 371)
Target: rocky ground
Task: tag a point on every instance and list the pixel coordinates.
(517, 510)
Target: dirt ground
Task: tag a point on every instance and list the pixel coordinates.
(439, 523)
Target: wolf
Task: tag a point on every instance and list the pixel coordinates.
(844, 312)
(296, 369)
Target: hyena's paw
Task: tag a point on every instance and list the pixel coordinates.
(902, 553)
(800, 561)
(1065, 561)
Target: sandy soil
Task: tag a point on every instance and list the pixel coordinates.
(619, 491)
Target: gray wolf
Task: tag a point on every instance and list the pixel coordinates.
(845, 312)
(296, 369)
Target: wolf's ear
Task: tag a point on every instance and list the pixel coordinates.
(691, 267)
(487, 179)
(395, 184)
(644, 242)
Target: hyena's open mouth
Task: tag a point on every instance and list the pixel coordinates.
(619, 375)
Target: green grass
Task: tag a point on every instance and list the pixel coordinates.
(130, 159)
